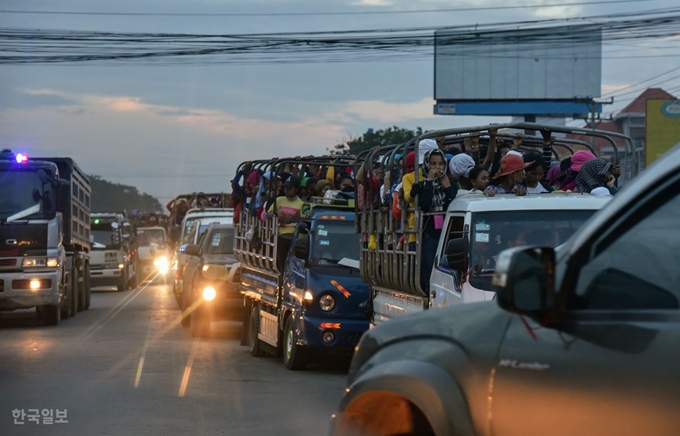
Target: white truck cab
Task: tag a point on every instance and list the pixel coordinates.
(195, 222)
(476, 229)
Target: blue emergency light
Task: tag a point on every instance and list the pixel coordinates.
(21, 158)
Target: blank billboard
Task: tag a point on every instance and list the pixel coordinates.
(556, 63)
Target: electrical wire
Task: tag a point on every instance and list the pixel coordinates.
(317, 14)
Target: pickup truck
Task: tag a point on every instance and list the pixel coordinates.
(311, 304)
(580, 340)
(212, 280)
(474, 229)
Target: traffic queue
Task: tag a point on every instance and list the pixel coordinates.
(321, 248)
(329, 254)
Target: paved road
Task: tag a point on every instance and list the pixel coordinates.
(126, 367)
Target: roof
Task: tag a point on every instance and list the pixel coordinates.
(639, 105)
(507, 202)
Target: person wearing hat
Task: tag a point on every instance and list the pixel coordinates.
(321, 187)
(578, 159)
(287, 210)
(510, 176)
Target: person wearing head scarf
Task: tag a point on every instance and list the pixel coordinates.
(596, 173)
(578, 159)
(459, 168)
(434, 195)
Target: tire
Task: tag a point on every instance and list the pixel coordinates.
(51, 314)
(183, 306)
(67, 303)
(253, 330)
(82, 291)
(200, 323)
(294, 356)
(75, 292)
(132, 283)
(122, 283)
(88, 288)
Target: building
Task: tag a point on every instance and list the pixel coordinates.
(630, 121)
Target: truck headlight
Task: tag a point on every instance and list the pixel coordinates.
(209, 293)
(162, 264)
(40, 262)
(327, 302)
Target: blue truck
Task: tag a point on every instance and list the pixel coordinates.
(312, 304)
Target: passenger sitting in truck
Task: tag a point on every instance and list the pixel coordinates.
(459, 169)
(346, 183)
(597, 173)
(535, 182)
(578, 159)
(510, 176)
(287, 211)
(434, 195)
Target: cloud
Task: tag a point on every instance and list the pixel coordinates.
(385, 112)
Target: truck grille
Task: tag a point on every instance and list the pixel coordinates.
(8, 262)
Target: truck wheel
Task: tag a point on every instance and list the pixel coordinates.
(88, 288)
(67, 303)
(132, 283)
(75, 292)
(200, 323)
(294, 356)
(51, 314)
(122, 283)
(253, 330)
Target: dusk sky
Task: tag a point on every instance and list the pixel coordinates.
(169, 129)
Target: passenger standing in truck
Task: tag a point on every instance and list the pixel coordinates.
(435, 194)
(287, 210)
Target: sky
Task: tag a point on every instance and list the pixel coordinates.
(170, 129)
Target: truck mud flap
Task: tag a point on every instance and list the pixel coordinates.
(269, 329)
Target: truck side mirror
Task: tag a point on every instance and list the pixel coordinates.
(303, 228)
(456, 254)
(524, 280)
(301, 248)
(190, 249)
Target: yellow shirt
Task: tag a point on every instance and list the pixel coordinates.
(407, 182)
(286, 208)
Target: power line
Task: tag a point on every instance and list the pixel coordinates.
(641, 82)
(313, 14)
(22, 46)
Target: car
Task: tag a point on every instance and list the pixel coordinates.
(581, 339)
(211, 281)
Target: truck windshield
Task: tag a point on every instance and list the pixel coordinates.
(146, 237)
(221, 242)
(104, 236)
(335, 240)
(16, 193)
(493, 232)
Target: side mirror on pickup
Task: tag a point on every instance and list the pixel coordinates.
(457, 254)
(301, 248)
(524, 280)
(190, 249)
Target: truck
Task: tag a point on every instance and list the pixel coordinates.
(114, 253)
(472, 235)
(310, 304)
(44, 236)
